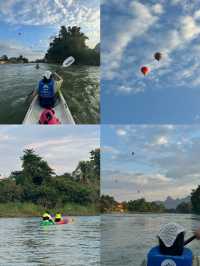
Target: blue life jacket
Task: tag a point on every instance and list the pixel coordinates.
(156, 259)
(46, 90)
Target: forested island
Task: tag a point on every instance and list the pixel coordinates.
(109, 205)
(37, 188)
(70, 41)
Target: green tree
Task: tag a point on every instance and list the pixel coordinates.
(184, 207)
(195, 200)
(35, 168)
(107, 203)
(71, 42)
(95, 162)
(9, 191)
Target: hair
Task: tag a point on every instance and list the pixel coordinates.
(176, 249)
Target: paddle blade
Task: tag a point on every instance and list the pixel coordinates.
(68, 62)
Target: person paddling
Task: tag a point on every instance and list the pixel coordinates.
(58, 217)
(170, 250)
(47, 217)
(47, 90)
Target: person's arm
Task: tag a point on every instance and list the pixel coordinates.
(58, 77)
(144, 263)
(197, 234)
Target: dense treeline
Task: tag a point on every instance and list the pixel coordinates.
(72, 42)
(109, 204)
(37, 183)
(141, 205)
(14, 60)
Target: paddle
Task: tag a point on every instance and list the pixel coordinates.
(66, 63)
(189, 240)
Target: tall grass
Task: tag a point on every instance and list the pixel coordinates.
(30, 210)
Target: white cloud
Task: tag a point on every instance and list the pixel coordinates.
(64, 154)
(189, 29)
(57, 13)
(121, 132)
(109, 149)
(14, 49)
(161, 140)
(157, 9)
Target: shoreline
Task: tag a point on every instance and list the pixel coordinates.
(28, 210)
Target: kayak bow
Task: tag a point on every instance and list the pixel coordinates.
(61, 110)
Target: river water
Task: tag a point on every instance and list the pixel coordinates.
(126, 239)
(25, 243)
(80, 89)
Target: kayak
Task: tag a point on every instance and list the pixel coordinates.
(61, 109)
(46, 222)
(64, 221)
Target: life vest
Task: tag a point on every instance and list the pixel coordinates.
(46, 90)
(48, 117)
(58, 216)
(154, 258)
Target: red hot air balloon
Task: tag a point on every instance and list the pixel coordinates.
(145, 70)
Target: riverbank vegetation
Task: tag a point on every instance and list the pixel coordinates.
(37, 188)
(13, 60)
(110, 205)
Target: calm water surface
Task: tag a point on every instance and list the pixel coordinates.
(80, 89)
(25, 243)
(126, 239)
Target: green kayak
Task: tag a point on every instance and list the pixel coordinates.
(44, 223)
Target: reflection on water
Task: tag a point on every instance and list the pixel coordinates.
(126, 239)
(24, 242)
(80, 89)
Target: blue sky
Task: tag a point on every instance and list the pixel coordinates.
(132, 31)
(165, 161)
(63, 147)
(26, 27)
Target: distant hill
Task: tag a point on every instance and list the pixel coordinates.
(171, 203)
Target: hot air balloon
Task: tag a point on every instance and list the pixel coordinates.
(133, 153)
(158, 56)
(145, 70)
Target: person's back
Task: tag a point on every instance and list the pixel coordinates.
(171, 243)
(58, 217)
(46, 91)
(46, 216)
